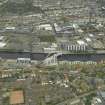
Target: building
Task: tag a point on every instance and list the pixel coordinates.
(23, 60)
(99, 99)
(101, 95)
(16, 97)
(66, 29)
(73, 47)
(47, 27)
(96, 101)
(51, 49)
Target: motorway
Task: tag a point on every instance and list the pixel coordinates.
(43, 56)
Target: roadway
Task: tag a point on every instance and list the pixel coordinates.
(42, 56)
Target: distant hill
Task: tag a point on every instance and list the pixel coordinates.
(19, 7)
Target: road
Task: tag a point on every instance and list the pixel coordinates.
(71, 101)
(42, 56)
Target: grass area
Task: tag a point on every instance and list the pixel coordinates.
(47, 38)
(17, 42)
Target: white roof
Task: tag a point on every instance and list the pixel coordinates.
(100, 25)
(1, 37)
(101, 34)
(57, 28)
(80, 30)
(81, 42)
(97, 100)
(54, 45)
(10, 28)
(88, 39)
(24, 59)
(49, 48)
(46, 26)
(75, 26)
(2, 44)
(91, 35)
(55, 24)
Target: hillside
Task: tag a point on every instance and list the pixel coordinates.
(18, 7)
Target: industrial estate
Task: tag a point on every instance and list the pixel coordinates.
(52, 52)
